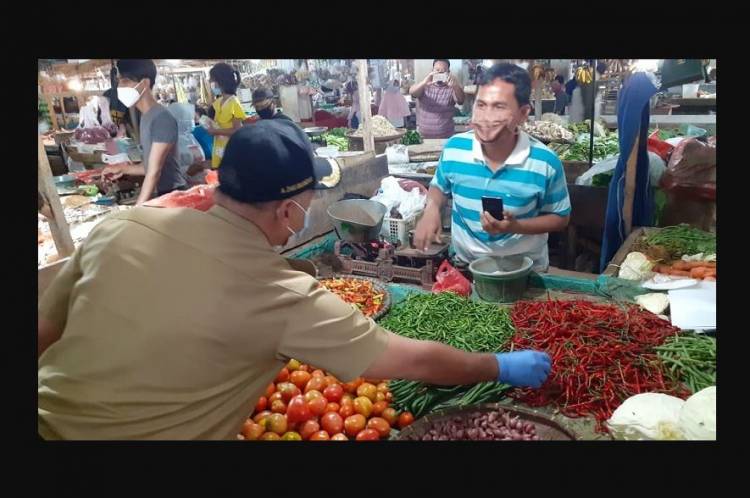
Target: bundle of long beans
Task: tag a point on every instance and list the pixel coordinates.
(455, 321)
(690, 359)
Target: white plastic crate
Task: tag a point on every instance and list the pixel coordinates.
(397, 230)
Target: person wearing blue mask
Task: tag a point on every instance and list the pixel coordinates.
(249, 311)
(229, 116)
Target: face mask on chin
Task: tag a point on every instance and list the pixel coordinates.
(295, 237)
(266, 113)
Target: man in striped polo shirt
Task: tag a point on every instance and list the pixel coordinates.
(497, 159)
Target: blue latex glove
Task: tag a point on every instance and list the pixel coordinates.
(523, 368)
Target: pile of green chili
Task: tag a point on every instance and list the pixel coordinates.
(456, 321)
(691, 359)
(683, 239)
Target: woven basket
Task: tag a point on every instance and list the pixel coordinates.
(381, 143)
(376, 284)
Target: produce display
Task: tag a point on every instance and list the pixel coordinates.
(92, 135)
(459, 322)
(699, 270)
(381, 127)
(358, 292)
(307, 404)
(486, 426)
(336, 137)
(681, 240)
(412, 137)
(547, 131)
(604, 147)
(690, 359)
(601, 355)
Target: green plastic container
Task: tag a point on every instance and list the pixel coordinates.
(501, 280)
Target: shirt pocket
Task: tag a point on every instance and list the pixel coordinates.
(521, 202)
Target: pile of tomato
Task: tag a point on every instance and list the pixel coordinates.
(305, 403)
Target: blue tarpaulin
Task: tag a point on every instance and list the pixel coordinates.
(632, 121)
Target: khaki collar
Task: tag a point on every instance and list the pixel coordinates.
(238, 221)
(517, 157)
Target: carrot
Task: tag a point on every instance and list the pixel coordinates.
(698, 272)
(679, 273)
(710, 273)
(710, 279)
(681, 265)
(661, 269)
(696, 264)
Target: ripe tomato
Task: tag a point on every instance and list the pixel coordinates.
(368, 435)
(389, 397)
(288, 391)
(282, 376)
(316, 384)
(379, 397)
(317, 406)
(293, 365)
(346, 410)
(275, 396)
(378, 407)
(311, 395)
(298, 410)
(304, 368)
(363, 406)
(309, 428)
(261, 416)
(270, 390)
(246, 426)
(354, 424)
(347, 399)
(382, 387)
(261, 404)
(367, 390)
(390, 415)
(291, 436)
(332, 422)
(351, 387)
(331, 380)
(333, 393)
(270, 436)
(381, 425)
(405, 419)
(339, 437)
(318, 373)
(277, 423)
(299, 378)
(333, 407)
(320, 436)
(278, 406)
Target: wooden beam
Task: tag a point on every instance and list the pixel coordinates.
(630, 174)
(52, 113)
(58, 225)
(364, 106)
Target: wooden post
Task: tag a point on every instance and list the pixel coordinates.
(52, 113)
(364, 106)
(630, 171)
(58, 225)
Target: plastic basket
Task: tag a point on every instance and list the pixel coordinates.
(397, 230)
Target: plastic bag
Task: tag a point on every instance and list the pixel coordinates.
(658, 146)
(394, 197)
(656, 169)
(397, 154)
(448, 279)
(188, 150)
(691, 172)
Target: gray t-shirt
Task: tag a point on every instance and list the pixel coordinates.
(159, 126)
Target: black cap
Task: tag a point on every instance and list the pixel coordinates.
(272, 160)
(262, 94)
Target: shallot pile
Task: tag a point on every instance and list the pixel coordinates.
(480, 426)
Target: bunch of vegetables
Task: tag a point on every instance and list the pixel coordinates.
(495, 425)
(358, 292)
(412, 137)
(336, 137)
(601, 355)
(682, 240)
(690, 358)
(604, 147)
(305, 403)
(381, 127)
(459, 322)
(699, 270)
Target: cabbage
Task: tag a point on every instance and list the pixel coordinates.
(647, 416)
(635, 267)
(655, 302)
(698, 415)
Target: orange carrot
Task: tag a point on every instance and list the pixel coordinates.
(698, 272)
(710, 279)
(696, 264)
(681, 265)
(679, 273)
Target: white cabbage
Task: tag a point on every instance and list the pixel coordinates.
(647, 416)
(635, 267)
(698, 415)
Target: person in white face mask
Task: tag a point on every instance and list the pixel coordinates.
(158, 132)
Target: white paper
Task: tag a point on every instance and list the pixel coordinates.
(694, 308)
(666, 282)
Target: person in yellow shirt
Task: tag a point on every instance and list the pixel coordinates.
(229, 114)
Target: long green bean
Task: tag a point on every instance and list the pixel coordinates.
(691, 359)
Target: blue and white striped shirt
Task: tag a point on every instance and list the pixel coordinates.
(531, 183)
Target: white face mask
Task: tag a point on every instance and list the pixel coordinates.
(296, 235)
(129, 95)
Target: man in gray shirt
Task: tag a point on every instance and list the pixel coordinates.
(158, 132)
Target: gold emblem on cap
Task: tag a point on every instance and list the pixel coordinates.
(297, 186)
(332, 179)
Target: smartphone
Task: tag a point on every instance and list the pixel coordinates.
(494, 206)
(440, 77)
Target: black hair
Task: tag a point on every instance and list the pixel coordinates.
(262, 94)
(601, 68)
(560, 79)
(226, 77)
(211, 112)
(201, 111)
(510, 73)
(137, 69)
(442, 60)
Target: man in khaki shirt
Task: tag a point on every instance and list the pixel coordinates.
(170, 323)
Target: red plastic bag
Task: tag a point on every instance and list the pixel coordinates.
(448, 279)
(691, 171)
(658, 146)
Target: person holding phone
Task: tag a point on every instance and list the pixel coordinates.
(497, 160)
(437, 96)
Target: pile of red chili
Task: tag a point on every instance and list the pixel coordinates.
(601, 355)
